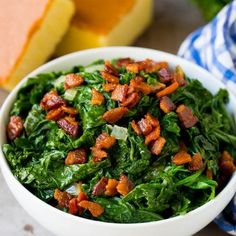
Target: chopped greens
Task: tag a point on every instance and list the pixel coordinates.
(111, 144)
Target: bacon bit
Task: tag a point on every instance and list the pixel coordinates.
(145, 126)
(104, 140)
(131, 100)
(130, 90)
(81, 196)
(73, 206)
(70, 110)
(179, 76)
(69, 125)
(98, 154)
(196, 163)
(186, 116)
(158, 145)
(120, 92)
(181, 158)
(157, 87)
(55, 114)
(109, 68)
(113, 115)
(123, 62)
(154, 135)
(110, 78)
(124, 185)
(100, 188)
(109, 87)
(133, 67)
(165, 76)
(226, 164)
(52, 100)
(73, 80)
(78, 156)
(97, 98)
(63, 198)
(111, 187)
(152, 120)
(14, 127)
(166, 104)
(209, 173)
(151, 66)
(136, 128)
(95, 209)
(168, 90)
(139, 85)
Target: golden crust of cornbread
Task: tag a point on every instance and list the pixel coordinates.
(106, 23)
(100, 16)
(29, 33)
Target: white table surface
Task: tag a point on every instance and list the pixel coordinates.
(173, 21)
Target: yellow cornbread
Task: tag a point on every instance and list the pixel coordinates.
(34, 29)
(104, 23)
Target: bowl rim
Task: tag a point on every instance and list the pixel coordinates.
(12, 95)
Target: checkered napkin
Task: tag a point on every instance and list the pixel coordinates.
(213, 47)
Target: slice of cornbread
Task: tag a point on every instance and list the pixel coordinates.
(104, 23)
(29, 33)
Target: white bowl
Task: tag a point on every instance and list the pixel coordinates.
(65, 224)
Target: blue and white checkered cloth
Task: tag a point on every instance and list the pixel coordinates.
(213, 47)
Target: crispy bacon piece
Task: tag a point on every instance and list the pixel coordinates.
(104, 140)
(209, 173)
(78, 156)
(69, 125)
(73, 80)
(131, 100)
(154, 135)
(109, 87)
(151, 66)
(124, 185)
(109, 68)
(145, 126)
(179, 76)
(98, 154)
(136, 128)
(133, 67)
(95, 209)
(152, 120)
(165, 76)
(73, 206)
(113, 115)
(158, 145)
(63, 198)
(166, 104)
(81, 196)
(123, 62)
(97, 98)
(111, 187)
(226, 164)
(186, 116)
(181, 158)
(14, 127)
(196, 163)
(100, 188)
(139, 85)
(52, 100)
(168, 90)
(70, 110)
(55, 114)
(120, 92)
(110, 78)
(157, 87)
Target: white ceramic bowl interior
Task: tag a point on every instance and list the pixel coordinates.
(65, 224)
